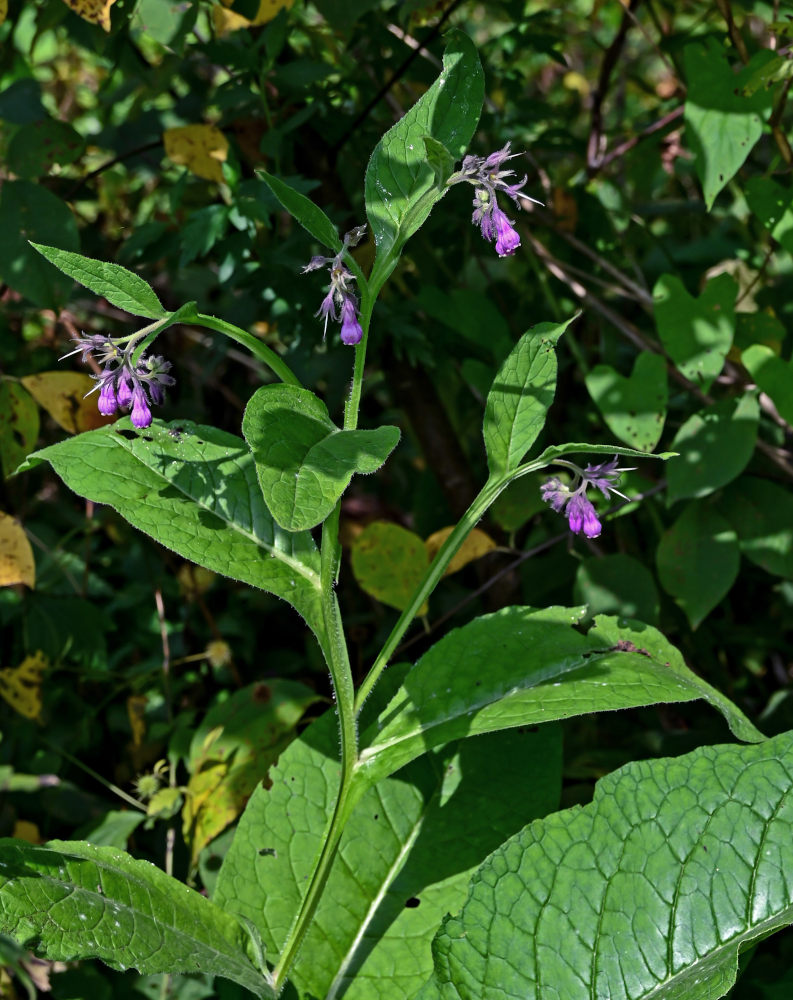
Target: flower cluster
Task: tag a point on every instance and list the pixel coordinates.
(340, 304)
(578, 508)
(122, 384)
(487, 176)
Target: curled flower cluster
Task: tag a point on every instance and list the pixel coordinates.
(340, 304)
(485, 173)
(122, 384)
(578, 508)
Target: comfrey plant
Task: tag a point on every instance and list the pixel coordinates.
(408, 843)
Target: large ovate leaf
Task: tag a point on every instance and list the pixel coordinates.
(193, 489)
(696, 332)
(536, 670)
(404, 860)
(73, 900)
(723, 122)
(761, 513)
(303, 461)
(773, 375)
(401, 180)
(520, 397)
(633, 407)
(119, 286)
(648, 893)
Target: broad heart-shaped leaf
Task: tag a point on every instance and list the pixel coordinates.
(773, 375)
(73, 900)
(119, 286)
(303, 461)
(518, 667)
(404, 861)
(697, 333)
(401, 181)
(771, 203)
(722, 123)
(193, 489)
(634, 408)
(310, 216)
(761, 512)
(698, 559)
(520, 396)
(714, 446)
(648, 893)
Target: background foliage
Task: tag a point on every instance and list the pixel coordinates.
(656, 134)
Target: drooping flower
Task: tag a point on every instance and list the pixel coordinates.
(487, 176)
(340, 303)
(122, 384)
(578, 508)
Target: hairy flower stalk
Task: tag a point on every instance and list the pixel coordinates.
(340, 304)
(578, 508)
(121, 383)
(485, 173)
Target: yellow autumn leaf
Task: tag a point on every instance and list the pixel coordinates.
(63, 396)
(388, 561)
(16, 555)
(476, 545)
(95, 11)
(136, 709)
(3, 10)
(25, 830)
(228, 20)
(201, 148)
(21, 686)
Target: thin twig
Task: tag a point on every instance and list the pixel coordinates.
(651, 129)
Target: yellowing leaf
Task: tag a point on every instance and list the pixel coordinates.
(19, 425)
(388, 562)
(476, 545)
(3, 10)
(63, 396)
(21, 686)
(16, 555)
(95, 11)
(201, 148)
(165, 803)
(194, 581)
(136, 708)
(228, 20)
(25, 830)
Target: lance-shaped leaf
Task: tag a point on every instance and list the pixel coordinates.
(402, 175)
(193, 489)
(310, 216)
(404, 861)
(72, 900)
(119, 286)
(648, 893)
(539, 668)
(303, 461)
(520, 396)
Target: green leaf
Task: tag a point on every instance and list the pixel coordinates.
(520, 397)
(119, 286)
(303, 209)
(696, 333)
(537, 670)
(771, 203)
(618, 585)
(75, 901)
(439, 158)
(773, 375)
(404, 861)
(761, 513)
(303, 461)
(648, 892)
(580, 448)
(37, 147)
(722, 122)
(698, 560)
(401, 182)
(634, 408)
(193, 489)
(388, 562)
(31, 212)
(714, 446)
(19, 425)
